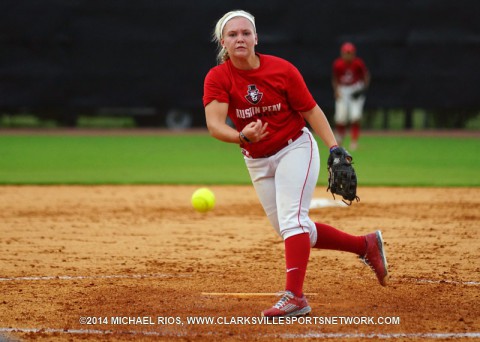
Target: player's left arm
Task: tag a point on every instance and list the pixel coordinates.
(364, 78)
(318, 121)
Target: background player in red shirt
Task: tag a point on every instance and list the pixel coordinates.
(350, 80)
(268, 102)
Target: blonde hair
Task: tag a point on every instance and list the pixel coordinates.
(222, 54)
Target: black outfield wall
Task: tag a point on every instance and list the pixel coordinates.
(67, 55)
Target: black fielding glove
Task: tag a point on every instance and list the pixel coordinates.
(342, 179)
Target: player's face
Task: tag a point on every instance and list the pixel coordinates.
(348, 56)
(239, 38)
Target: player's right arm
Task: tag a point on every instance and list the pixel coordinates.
(216, 116)
(215, 100)
(335, 87)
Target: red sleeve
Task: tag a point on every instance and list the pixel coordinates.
(298, 95)
(215, 87)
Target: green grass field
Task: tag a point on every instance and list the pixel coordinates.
(200, 159)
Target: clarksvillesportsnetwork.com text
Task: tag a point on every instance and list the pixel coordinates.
(239, 320)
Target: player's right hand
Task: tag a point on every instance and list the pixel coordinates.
(256, 130)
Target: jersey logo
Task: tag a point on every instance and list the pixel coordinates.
(254, 96)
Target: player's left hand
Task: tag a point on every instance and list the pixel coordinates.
(342, 179)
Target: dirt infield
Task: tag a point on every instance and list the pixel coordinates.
(137, 263)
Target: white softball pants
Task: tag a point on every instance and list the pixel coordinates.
(285, 183)
(348, 109)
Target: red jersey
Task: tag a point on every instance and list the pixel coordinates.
(275, 93)
(349, 73)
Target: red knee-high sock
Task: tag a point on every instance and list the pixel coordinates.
(297, 252)
(355, 131)
(332, 238)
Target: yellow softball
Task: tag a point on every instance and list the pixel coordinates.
(203, 200)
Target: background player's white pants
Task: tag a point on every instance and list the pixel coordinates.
(285, 184)
(348, 109)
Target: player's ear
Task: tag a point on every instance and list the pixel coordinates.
(256, 39)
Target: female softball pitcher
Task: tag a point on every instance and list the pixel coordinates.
(268, 102)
